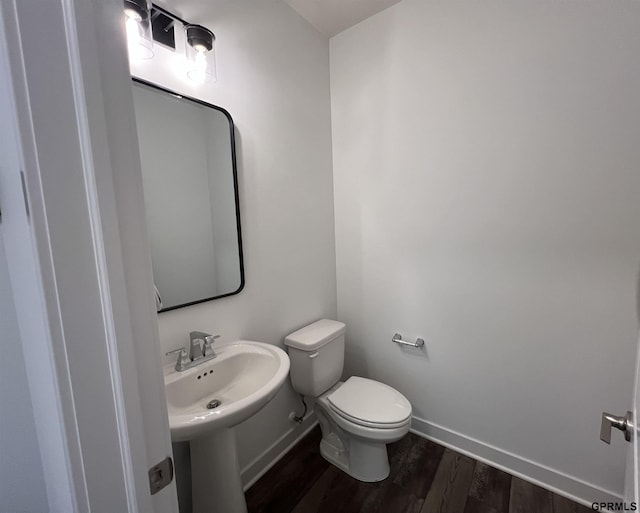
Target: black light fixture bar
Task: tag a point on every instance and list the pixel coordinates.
(163, 23)
(169, 14)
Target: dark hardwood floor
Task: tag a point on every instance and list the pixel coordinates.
(425, 478)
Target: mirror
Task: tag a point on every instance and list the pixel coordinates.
(190, 182)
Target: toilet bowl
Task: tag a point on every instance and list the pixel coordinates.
(356, 431)
(358, 417)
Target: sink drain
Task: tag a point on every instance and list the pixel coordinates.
(213, 404)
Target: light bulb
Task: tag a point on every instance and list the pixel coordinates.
(199, 71)
(139, 47)
(133, 15)
(133, 30)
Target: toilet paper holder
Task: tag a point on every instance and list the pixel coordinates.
(397, 338)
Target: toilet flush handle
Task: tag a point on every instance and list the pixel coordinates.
(314, 354)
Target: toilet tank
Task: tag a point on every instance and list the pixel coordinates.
(316, 353)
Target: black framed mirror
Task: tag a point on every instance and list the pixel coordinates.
(190, 181)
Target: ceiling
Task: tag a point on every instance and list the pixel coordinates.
(331, 17)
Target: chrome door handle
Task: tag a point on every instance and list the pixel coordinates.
(624, 424)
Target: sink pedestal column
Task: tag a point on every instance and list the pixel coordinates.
(215, 474)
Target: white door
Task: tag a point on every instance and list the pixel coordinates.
(74, 236)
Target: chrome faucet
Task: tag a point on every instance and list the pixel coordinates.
(196, 341)
(200, 350)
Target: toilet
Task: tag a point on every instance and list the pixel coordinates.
(358, 417)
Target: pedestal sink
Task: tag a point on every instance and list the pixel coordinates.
(207, 401)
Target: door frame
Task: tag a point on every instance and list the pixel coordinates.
(80, 270)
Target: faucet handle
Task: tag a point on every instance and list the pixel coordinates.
(208, 344)
(183, 359)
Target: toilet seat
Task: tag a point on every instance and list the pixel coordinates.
(369, 403)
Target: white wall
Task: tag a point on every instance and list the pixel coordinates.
(486, 190)
(22, 486)
(273, 71)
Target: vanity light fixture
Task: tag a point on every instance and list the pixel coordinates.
(146, 22)
(200, 54)
(138, 25)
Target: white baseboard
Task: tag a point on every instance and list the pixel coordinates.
(259, 466)
(553, 480)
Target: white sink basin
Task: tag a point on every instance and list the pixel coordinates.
(243, 378)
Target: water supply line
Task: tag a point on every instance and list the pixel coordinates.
(299, 419)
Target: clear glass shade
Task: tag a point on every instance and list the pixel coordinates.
(200, 54)
(138, 26)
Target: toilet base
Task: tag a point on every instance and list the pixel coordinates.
(367, 462)
(364, 460)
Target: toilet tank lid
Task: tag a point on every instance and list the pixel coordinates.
(315, 335)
